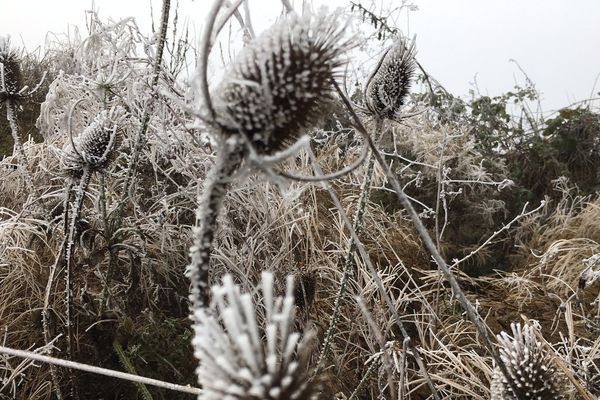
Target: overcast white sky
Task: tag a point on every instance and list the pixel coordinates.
(557, 42)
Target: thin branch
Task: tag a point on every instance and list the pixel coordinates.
(98, 370)
(496, 233)
(205, 46)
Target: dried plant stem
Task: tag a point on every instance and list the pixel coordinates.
(50, 284)
(521, 215)
(472, 314)
(126, 363)
(229, 157)
(70, 243)
(367, 260)
(100, 371)
(348, 268)
(14, 129)
(401, 386)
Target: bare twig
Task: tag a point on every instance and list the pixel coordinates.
(100, 371)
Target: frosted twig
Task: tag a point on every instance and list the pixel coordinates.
(523, 214)
(205, 46)
(98, 370)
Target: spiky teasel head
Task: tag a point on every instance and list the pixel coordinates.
(390, 81)
(96, 144)
(529, 367)
(10, 71)
(248, 349)
(280, 84)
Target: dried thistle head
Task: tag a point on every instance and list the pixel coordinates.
(95, 146)
(529, 367)
(389, 83)
(10, 71)
(248, 351)
(280, 84)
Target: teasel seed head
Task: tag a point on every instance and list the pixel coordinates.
(390, 81)
(280, 84)
(95, 146)
(10, 77)
(529, 367)
(248, 349)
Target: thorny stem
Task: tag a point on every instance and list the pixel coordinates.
(229, 157)
(49, 284)
(78, 203)
(364, 380)
(428, 243)
(440, 190)
(349, 257)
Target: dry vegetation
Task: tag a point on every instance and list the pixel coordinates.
(513, 210)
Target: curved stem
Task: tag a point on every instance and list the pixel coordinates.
(216, 184)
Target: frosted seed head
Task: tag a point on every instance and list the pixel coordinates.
(236, 367)
(529, 367)
(280, 84)
(95, 146)
(10, 71)
(389, 83)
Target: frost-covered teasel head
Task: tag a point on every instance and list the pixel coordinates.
(96, 144)
(389, 83)
(529, 367)
(247, 348)
(280, 84)
(10, 71)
